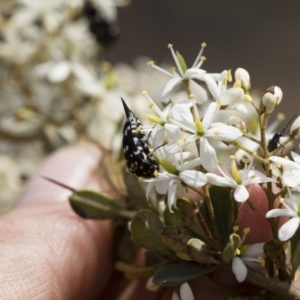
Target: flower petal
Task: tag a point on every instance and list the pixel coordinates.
(212, 86)
(173, 131)
(223, 132)
(278, 212)
(186, 292)
(232, 96)
(208, 155)
(199, 92)
(285, 162)
(241, 194)
(210, 114)
(193, 178)
(296, 157)
(59, 72)
(170, 86)
(220, 180)
(291, 177)
(194, 73)
(288, 229)
(239, 269)
(172, 194)
(254, 251)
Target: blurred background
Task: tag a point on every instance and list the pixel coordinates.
(260, 36)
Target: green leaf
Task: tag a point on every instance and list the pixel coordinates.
(225, 211)
(146, 228)
(176, 238)
(133, 272)
(230, 250)
(93, 205)
(186, 212)
(188, 216)
(200, 252)
(182, 215)
(176, 274)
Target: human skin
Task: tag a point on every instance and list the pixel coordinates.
(48, 252)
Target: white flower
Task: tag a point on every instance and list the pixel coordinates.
(167, 182)
(184, 76)
(225, 97)
(291, 173)
(162, 123)
(292, 209)
(249, 254)
(202, 131)
(238, 180)
(185, 293)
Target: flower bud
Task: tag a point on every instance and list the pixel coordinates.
(295, 128)
(272, 98)
(243, 76)
(269, 102)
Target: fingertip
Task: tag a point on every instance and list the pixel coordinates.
(71, 166)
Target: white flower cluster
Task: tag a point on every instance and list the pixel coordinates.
(203, 139)
(196, 132)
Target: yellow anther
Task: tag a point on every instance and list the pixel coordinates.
(203, 58)
(281, 200)
(236, 228)
(203, 45)
(248, 98)
(192, 96)
(245, 160)
(229, 76)
(217, 132)
(168, 117)
(246, 230)
(150, 63)
(237, 252)
(261, 261)
(280, 116)
(105, 66)
(144, 92)
(170, 46)
(232, 156)
(237, 83)
(151, 105)
(173, 69)
(155, 173)
(224, 80)
(138, 129)
(180, 143)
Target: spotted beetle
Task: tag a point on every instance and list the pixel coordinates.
(138, 156)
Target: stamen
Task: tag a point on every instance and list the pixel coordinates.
(203, 45)
(235, 228)
(170, 46)
(159, 69)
